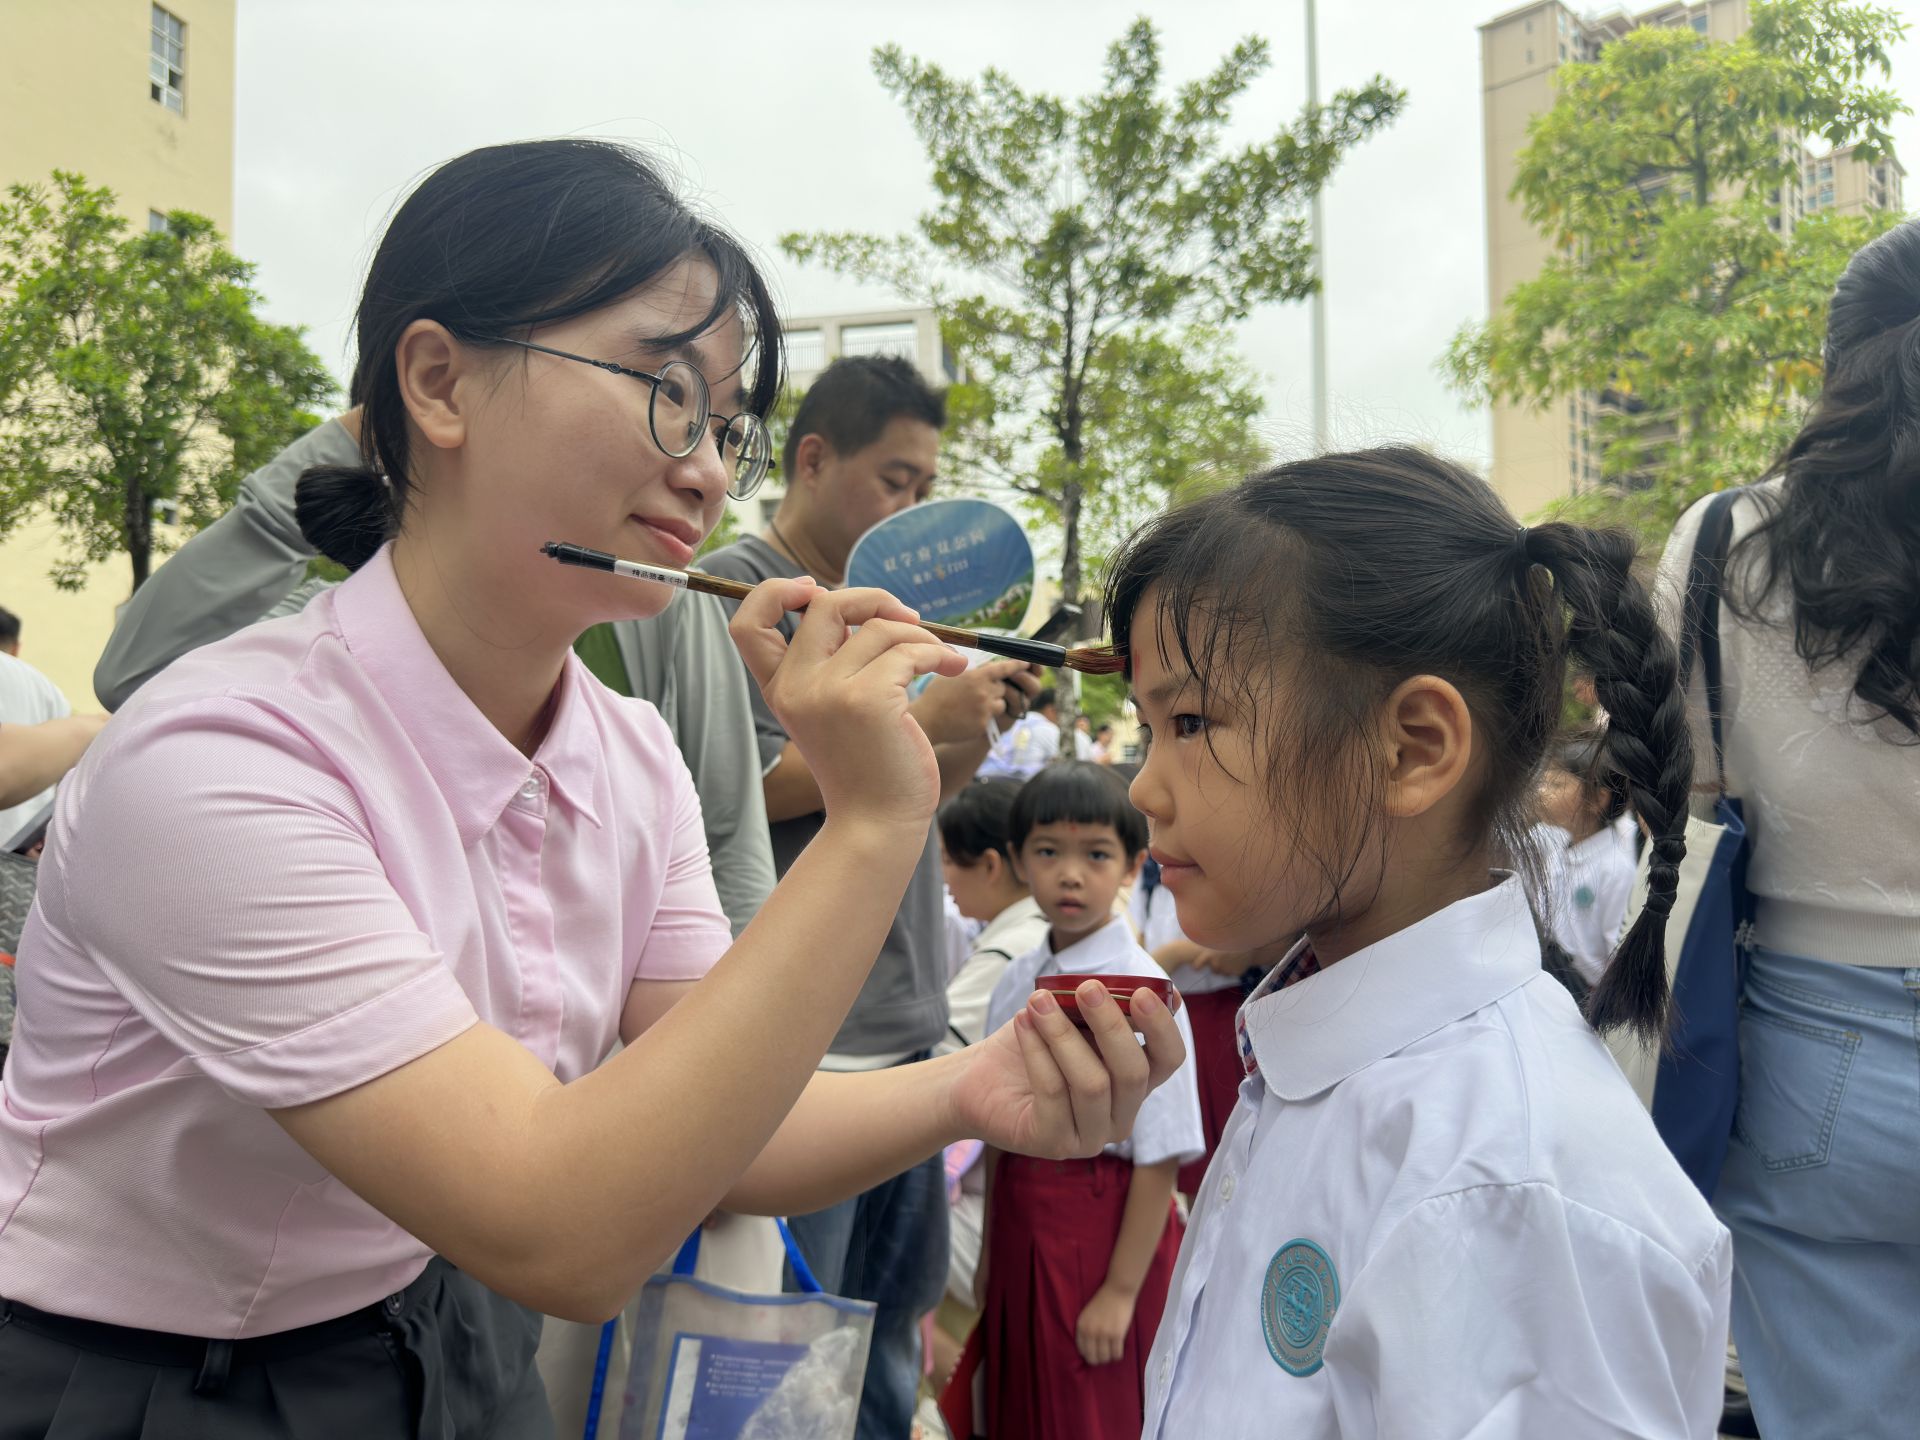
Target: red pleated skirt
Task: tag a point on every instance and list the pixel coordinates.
(1217, 1069)
(1052, 1229)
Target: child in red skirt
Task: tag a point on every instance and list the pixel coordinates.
(1079, 1253)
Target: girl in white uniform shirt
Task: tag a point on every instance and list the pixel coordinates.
(341, 913)
(1439, 1210)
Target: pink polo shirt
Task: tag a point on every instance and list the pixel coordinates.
(299, 859)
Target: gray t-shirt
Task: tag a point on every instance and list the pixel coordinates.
(903, 1006)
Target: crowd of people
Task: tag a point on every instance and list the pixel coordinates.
(417, 960)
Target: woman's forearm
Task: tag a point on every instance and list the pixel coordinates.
(849, 1133)
(566, 1197)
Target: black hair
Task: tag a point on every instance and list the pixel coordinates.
(1081, 793)
(495, 243)
(1045, 698)
(1584, 756)
(1364, 570)
(978, 820)
(9, 627)
(853, 400)
(1844, 530)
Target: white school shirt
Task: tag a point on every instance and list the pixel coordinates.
(1589, 887)
(1157, 923)
(1168, 1125)
(1439, 1212)
(26, 698)
(1029, 745)
(1014, 931)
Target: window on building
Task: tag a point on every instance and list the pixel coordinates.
(1529, 57)
(1529, 25)
(769, 508)
(1563, 54)
(1826, 169)
(1700, 24)
(900, 338)
(167, 61)
(806, 351)
(1826, 195)
(156, 221)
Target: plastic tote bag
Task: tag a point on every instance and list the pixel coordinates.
(1692, 1085)
(711, 1363)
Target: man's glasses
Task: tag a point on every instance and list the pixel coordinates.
(681, 412)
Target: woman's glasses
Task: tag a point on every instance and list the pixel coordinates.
(680, 412)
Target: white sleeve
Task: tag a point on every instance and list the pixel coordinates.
(1506, 1312)
(1168, 1125)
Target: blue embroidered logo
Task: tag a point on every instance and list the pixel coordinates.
(1297, 1305)
(1584, 897)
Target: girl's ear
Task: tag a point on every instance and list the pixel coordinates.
(1427, 735)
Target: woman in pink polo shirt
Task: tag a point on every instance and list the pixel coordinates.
(339, 915)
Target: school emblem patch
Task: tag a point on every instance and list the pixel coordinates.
(1297, 1305)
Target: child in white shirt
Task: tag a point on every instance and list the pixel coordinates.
(1079, 1254)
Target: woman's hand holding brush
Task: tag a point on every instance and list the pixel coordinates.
(841, 693)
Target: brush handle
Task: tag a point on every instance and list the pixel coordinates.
(1010, 647)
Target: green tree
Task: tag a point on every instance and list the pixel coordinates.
(1677, 287)
(1085, 256)
(134, 370)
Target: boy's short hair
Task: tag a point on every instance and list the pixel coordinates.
(855, 398)
(1081, 793)
(1045, 698)
(975, 821)
(9, 626)
(1583, 755)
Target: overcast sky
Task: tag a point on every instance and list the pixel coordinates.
(769, 113)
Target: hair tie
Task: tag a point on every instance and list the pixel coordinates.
(1670, 850)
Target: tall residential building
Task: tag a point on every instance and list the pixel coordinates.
(1543, 454)
(816, 341)
(137, 97)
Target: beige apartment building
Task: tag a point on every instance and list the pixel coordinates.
(137, 97)
(1542, 455)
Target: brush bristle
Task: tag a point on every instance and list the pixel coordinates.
(1097, 660)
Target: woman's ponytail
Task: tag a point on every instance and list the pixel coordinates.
(1614, 631)
(347, 512)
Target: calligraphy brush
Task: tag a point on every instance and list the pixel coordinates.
(1097, 660)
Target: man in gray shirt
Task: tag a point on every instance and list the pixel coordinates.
(249, 562)
(864, 445)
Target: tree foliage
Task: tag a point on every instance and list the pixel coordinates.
(1678, 289)
(134, 370)
(1086, 257)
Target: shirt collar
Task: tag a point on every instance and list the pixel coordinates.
(473, 765)
(1309, 1036)
(1111, 941)
(1015, 917)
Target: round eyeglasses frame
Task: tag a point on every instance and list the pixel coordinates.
(744, 444)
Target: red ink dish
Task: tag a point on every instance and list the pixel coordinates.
(1121, 987)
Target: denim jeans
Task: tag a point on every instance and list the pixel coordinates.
(888, 1246)
(1822, 1193)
